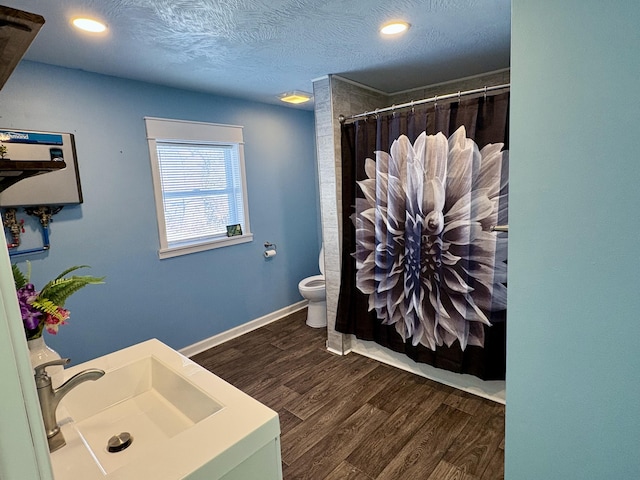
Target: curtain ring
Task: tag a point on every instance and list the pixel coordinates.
(375, 113)
(435, 101)
(459, 95)
(393, 111)
(485, 92)
(413, 110)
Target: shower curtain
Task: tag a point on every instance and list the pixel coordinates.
(422, 272)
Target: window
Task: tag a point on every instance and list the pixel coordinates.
(199, 185)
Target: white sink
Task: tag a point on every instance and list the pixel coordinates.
(184, 421)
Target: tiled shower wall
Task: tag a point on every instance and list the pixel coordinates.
(335, 96)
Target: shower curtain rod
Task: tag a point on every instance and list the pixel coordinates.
(435, 99)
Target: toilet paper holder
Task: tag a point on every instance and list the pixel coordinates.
(270, 249)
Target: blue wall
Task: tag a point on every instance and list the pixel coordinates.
(180, 300)
(573, 392)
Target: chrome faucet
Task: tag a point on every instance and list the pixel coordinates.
(50, 398)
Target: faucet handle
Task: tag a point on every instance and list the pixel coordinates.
(40, 371)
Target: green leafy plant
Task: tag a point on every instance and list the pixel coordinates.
(44, 309)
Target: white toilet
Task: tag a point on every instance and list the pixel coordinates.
(313, 289)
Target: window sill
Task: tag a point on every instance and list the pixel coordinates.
(171, 252)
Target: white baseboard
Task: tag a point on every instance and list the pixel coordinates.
(220, 338)
(492, 390)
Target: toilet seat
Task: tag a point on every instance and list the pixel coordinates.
(315, 282)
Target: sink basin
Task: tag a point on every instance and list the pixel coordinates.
(146, 399)
(184, 422)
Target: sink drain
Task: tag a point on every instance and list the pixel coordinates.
(119, 442)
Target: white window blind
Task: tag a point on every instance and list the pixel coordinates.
(199, 185)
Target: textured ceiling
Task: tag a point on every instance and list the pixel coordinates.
(256, 49)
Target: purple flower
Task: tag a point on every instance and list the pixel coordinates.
(30, 316)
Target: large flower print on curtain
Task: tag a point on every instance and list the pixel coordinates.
(425, 254)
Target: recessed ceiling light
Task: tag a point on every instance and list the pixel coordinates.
(393, 28)
(89, 25)
(296, 97)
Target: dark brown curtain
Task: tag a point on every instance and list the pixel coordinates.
(422, 272)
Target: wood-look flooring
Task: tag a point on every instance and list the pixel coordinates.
(353, 418)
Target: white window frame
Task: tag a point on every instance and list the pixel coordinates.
(167, 130)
